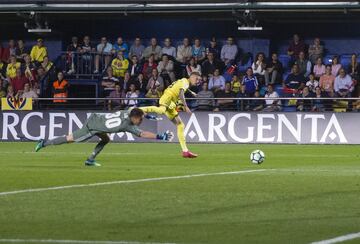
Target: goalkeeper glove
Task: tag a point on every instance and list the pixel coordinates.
(152, 117)
(166, 136)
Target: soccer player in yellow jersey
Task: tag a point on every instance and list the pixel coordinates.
(167, 106)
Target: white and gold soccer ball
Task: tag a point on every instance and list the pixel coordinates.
(257, 157)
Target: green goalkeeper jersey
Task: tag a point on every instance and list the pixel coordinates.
(112, 123)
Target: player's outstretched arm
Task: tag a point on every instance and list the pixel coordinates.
(166, 136)
(182, 99)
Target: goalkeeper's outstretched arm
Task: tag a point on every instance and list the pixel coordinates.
(166, 136)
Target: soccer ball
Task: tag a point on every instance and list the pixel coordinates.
(257, 157)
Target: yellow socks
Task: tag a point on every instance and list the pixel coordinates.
(181, 136)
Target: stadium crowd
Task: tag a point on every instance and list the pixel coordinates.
(137, 71)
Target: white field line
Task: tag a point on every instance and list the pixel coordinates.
(339, 239)
(75, 241)
(127, 181)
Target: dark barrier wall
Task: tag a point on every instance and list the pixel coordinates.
(202, 127)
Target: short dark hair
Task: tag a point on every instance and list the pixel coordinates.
(136, 112)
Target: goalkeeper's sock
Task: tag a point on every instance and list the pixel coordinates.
(154, 109)
(181, 137)
(57, 141)
(99, 147)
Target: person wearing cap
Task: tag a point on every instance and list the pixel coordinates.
(38, 52)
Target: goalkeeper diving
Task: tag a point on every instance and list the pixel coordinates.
(101, 125)
(167, 105)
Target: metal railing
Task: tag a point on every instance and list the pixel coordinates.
(84, 64)
(288, 104)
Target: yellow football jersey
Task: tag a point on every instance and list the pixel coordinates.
(176, 86)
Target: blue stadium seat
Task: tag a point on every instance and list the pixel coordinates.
(345, 60)
(284, 59)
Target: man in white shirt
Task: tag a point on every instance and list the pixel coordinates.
(103, 50)
(272, 105)
(229, 51)
(168, 49)
(28, 93)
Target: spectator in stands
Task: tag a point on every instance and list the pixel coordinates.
(28, 93)
(316, 50)
(149, 66)
(12, 67)
(153, 93)
(235, 84)
(296, 46)
(272, 105)
(213, 48)
(86, 49)
(295, 80)
(72, 55)
(250, 82)
(319, 68)
(335, 66)
(35, 87)
(115, 98)
(168, 49)
(303, 64)
(38, 52)
(193, 66)
(21, 50)
(216, 82)
(109, 81)
(198, 51)
(226, 93)
(60, 89)
(46, 63)
(343, 84)
(28, 68)
(210, 64)
(259, 67)
(141, 85)
(125, 83)
(10, 92)
(184, 53)
(242, 105)
(119, 65)
(134, 67)
(318, 105)
(137, 49)
(40, 75)
(103, 54)
(354, 67)
(156, 81)
(256, 105)
(327, 80)
(2, 70)
(203, 104)
(132, 93)
(229, 51)
(166, 69)
(2, 89)
(12, 47)
(154, 49)
(274, 69)
(305, 105)
(120, 45)
(312, 83)
(18, 82)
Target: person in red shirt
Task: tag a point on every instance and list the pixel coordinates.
(19, 81)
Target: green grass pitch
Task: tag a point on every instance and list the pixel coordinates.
(307, 193)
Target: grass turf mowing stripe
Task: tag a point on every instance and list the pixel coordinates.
(128, 181)
(338, 239)
(76, 241)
